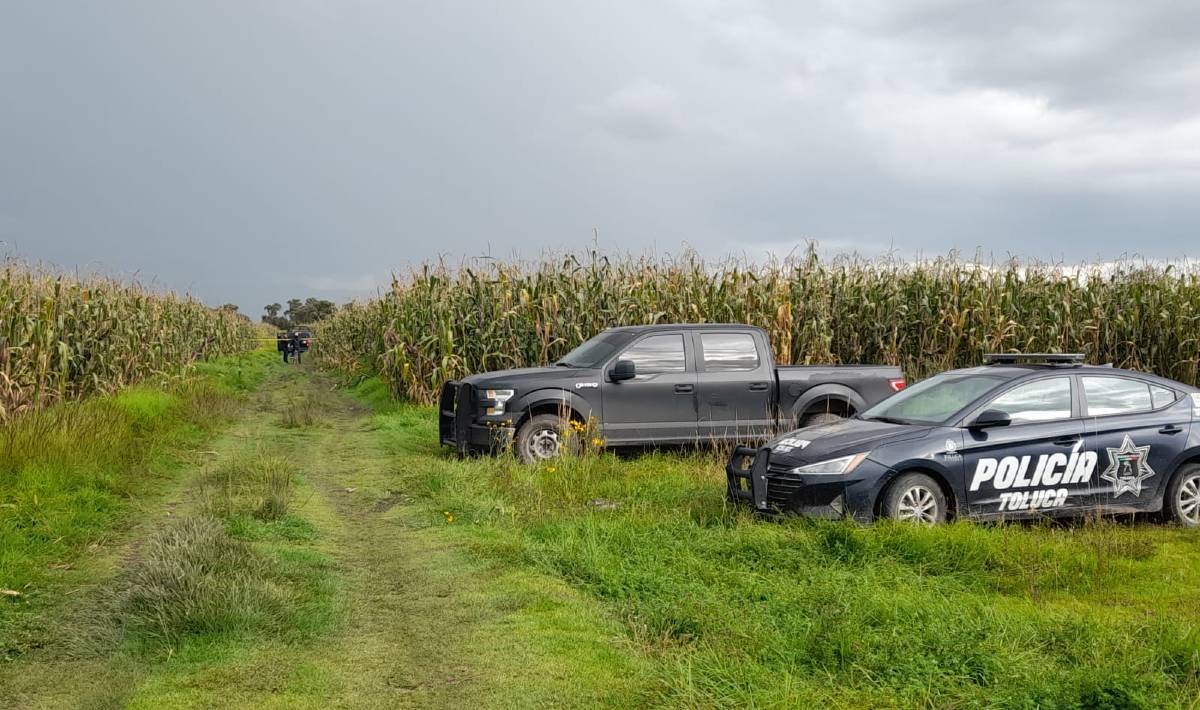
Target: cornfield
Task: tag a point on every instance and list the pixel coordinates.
(63, 337)
(439, 323)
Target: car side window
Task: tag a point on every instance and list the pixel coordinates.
(1116, 395)
(729, 352)
(1038, 401)
(1162, 396)
(657, 354)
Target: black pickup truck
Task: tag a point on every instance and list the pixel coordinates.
(655, 384)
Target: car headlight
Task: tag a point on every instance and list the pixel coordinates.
(843, 464)
(499, 397)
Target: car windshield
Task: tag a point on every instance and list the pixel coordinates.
(597, 351)
(932, 401)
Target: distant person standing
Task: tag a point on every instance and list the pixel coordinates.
(283, 344)
(296, 345)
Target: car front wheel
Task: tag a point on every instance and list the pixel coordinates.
(915, 498)
(1183, 497)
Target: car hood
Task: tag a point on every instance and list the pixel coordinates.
(849, 436)
(531, 377)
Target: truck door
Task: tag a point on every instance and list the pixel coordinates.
(737, 386)
(1036, 464)
(659, 404)
(1138, 429)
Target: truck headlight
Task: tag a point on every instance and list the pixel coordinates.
(843, 464)
(499, 397)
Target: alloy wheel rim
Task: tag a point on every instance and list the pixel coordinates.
(1189, 499)
(918, 505)
(543, 444)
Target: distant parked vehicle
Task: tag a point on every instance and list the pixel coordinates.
(1026, 435)
(293, 343)
(655, 384)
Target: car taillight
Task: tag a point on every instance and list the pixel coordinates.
(897, 384)
(307, 343)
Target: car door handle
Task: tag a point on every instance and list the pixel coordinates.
(1066, 440)
(1170, 429)
(758, 386)
(684, 389)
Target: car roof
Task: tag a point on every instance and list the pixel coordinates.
(1015, 371)
(683, 326)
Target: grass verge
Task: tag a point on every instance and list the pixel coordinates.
(732, 610)
(74, 475)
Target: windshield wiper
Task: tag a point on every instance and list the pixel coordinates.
(560, 363)
(889, 420)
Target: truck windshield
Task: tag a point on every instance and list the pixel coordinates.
(934, 400)
(595, 352)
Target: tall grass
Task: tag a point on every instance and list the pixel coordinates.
(63, 337)
(439, 322)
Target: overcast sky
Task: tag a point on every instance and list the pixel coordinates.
(252, 151)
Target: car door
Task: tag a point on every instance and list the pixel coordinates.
(659, 403)
(1138, 429)
(1035, 464)
(735, 384)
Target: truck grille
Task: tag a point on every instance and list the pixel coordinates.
(447, 401)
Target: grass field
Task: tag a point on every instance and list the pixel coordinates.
(314, 547)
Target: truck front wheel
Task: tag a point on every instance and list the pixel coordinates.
(545, 436)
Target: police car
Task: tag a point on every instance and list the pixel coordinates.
(1025, 435)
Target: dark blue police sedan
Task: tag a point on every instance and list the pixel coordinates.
(1023, 436)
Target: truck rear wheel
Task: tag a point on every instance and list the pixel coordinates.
(545, 436)
(821, 418)
(915, 498)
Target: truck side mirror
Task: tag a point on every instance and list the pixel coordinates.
(990, 418)
(622, 370)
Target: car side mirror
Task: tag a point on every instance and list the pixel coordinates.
(990, 418)
(622, 370)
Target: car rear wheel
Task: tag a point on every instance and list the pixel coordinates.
(915, 498)
(543, 437)
(1183, 497)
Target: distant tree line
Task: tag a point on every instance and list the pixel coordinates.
(298, 312)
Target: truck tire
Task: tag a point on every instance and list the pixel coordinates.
(1182, 500)
(915, 498)
(821, 418)
(543, 437)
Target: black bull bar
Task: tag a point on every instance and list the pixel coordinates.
(748, 483)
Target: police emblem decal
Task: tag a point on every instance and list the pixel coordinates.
(1128, 467)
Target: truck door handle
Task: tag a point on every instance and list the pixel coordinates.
(1170, 429)
(758, 386)
(684, 389)
(1066, 441)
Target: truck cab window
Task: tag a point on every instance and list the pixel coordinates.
(657, 354)
(729, 352)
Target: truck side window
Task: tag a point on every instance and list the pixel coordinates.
(657, 354)
(729, 352)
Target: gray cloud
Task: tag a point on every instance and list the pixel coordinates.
(258, 151)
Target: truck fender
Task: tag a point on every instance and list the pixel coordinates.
(827, 391)
(550, 397)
